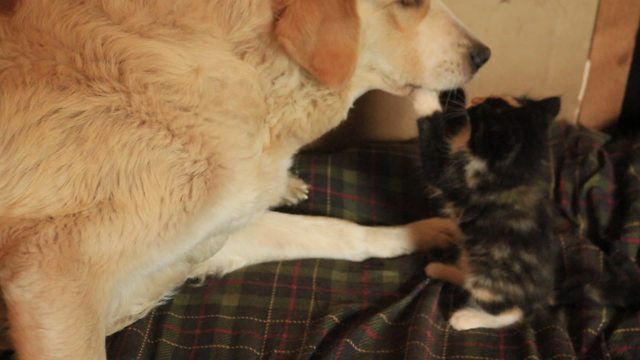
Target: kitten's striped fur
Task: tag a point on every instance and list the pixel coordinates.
(490, 163)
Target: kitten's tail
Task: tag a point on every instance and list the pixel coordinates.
(618, 285)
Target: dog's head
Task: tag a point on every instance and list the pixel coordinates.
(393, 45)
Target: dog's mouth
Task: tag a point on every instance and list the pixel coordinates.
(411, 89)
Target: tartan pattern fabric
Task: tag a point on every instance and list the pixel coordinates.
(386, 308)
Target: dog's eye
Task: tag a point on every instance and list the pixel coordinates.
(411, 3)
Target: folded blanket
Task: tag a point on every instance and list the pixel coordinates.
(387, 309)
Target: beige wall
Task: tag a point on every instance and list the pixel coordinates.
(611, 55)
(540, 47)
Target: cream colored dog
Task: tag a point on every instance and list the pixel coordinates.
(143, 141)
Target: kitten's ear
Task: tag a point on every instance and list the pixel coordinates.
(550, 106)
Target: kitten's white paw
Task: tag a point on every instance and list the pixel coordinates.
(469, 318)
(466, 319)
(425, 102)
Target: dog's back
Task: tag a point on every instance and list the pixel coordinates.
(86, 102)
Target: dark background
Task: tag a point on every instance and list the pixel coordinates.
(629, 123)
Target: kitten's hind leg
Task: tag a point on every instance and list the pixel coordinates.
(452, 273)
(446, 272)
(473, 318)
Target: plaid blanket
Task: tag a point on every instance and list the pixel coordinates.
(387, 309)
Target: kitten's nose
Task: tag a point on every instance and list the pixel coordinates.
(479, 55)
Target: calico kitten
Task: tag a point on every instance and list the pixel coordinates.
(490, 164)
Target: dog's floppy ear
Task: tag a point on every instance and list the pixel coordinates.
(321, 36)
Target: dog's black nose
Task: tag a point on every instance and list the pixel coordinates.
(480, 54)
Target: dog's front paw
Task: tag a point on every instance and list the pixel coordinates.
(297, 191)
(435, 233)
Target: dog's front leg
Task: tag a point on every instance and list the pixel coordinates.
(278, 236)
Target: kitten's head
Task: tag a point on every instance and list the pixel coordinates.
(511, 137)
(495, 144)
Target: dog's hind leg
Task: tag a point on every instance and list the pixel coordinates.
(54, 311)
(278, 236)
(57, 277)
(50, 324)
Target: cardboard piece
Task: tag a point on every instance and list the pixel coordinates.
(375, 116)
(611, 57)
